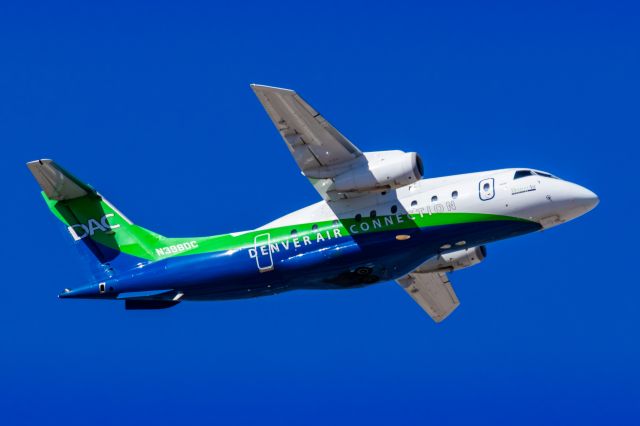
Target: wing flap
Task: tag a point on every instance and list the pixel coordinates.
(432, 291)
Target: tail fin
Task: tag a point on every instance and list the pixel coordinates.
(111, 242)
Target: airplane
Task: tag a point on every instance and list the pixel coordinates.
(378, 220)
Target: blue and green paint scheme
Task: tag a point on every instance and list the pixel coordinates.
(131, 262)
(379, 220)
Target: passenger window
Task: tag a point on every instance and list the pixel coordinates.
(314, 228)
(294, 232)
(434, 198)
(454, 194)
(414, 203)
(336, 222)
(358, 217)
(373, 214)
(394, 209)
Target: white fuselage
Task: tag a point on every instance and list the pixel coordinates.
(547, 200)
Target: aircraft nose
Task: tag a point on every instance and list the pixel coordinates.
(574, 201)
(587, 199)
(567, 201)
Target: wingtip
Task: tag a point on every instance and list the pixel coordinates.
(264, 88)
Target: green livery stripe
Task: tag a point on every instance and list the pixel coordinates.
(85, 215)
(93, 217)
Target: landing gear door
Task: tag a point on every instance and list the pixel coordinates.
(486, 189)
(262, 246)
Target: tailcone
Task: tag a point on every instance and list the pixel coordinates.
(92, 291)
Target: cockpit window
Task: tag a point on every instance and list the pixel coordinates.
(549, 175)
(522, 173)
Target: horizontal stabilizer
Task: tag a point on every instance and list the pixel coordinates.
(150, 294)
(153, 299)
(135, 304)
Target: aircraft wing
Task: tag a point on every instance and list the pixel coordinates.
(432, 291)
(318, 148)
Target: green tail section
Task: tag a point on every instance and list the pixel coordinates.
(109, 241)
(94, 218)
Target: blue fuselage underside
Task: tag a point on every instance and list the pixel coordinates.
(333, 264)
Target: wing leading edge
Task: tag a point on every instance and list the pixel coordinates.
(321, 151)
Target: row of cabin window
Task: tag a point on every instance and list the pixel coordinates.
(434, 199)
(314, 228)
(394, 208)
(373, 213)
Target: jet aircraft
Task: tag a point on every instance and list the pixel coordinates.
(378, 220)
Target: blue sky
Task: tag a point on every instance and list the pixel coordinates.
(150, 103)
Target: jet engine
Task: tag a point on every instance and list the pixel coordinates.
(382, 170)
(454, 260)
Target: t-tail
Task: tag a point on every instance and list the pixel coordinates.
(109, 242)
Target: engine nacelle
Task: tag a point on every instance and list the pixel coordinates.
(382, 170)
(455, 260)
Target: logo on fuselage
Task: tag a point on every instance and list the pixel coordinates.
(81, 230)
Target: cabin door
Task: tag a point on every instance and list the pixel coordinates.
(262, 246)
(486, 189)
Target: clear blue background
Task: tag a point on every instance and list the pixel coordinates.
(150, 103)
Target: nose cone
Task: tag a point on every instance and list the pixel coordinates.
(584, 200)
(574, 201)
(562, 202)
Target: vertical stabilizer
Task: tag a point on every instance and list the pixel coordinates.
(110, 241)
